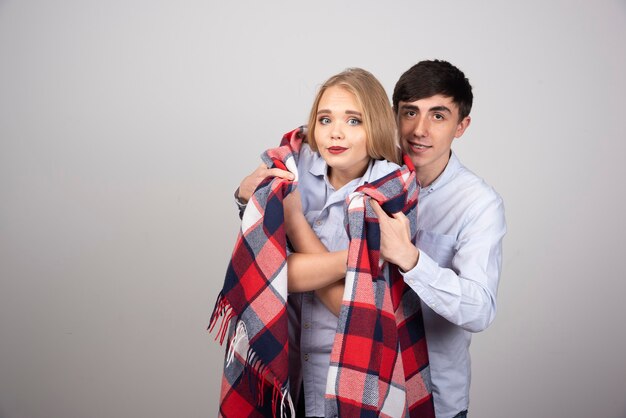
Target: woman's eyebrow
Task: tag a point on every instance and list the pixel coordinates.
(348, 112)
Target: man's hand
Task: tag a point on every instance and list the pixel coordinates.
(293, 204)
(249, 184)
(395, 238)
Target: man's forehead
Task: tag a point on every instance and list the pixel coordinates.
(427, 103)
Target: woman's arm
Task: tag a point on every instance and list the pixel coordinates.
(332, 295)
(301, 235)
(312, 266)
(315, 271)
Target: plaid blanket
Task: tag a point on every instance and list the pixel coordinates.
(379, 363)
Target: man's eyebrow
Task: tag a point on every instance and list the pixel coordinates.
(440, 109)
(432, 109)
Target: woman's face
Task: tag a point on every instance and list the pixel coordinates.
(340, 136)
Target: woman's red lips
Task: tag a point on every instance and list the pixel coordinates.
(336, 150)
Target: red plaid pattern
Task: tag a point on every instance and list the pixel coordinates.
(253, 301)
(379, 362)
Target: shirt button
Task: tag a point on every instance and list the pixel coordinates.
(306, 357)
(318, 223)
(307, 325)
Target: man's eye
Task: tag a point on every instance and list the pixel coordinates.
(410, 114)
(324, 120)
(438, 116)
(354, 122)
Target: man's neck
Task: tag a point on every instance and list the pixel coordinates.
(427, 175)
(426, 179)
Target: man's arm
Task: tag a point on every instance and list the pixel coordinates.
(465, 293)
(249, 183)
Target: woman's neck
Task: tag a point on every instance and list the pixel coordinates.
(338, 178)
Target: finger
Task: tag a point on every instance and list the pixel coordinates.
(277, 172)
(380, 213)
(400, 216)
(405, 221)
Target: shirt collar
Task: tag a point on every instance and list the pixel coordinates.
(320, 168)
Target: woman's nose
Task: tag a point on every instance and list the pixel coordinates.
(337, 131)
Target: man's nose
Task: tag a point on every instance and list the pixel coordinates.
(421, 127)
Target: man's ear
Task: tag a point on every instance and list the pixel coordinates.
(462, 126)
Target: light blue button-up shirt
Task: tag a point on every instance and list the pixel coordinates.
(460, 222)
(311, 323)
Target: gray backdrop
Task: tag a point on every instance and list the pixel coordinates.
(125, 126)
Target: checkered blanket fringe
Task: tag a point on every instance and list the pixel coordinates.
(252, 304)
(391, 378)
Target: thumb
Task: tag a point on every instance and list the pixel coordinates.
(399, 215)
(380, 213)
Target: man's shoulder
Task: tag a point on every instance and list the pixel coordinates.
(472, 201)
(464, 177)
(474, 189)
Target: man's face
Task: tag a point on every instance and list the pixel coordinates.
(427, 128)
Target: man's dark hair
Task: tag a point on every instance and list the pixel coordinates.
(429, 78)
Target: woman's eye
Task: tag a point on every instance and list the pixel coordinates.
(324, 120)
(354, 122)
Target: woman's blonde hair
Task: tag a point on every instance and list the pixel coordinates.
(378, 118)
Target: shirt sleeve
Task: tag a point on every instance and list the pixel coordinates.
(241, 206)
(465, 293)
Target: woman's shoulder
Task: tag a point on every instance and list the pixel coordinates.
(383, 167)
(306, 153)
(305, 150)
(309, 160)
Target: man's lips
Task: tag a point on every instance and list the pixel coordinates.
(419, 147)
(336, 150)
